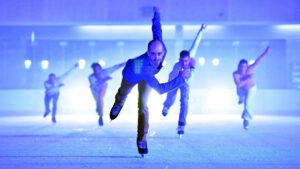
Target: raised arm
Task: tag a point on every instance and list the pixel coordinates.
(156, 26)
(258, 60)
(65, 75)
(110, 70)
(196, 42)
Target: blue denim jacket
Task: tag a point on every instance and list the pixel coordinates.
(140, 68)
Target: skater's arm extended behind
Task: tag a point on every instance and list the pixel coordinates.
(65, 75)
(110, 70)
(162, 88)
(258, 60)
(193, 49)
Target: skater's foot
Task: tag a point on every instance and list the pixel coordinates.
(53, 120)
(246, 124)
(100, 121)
(246, 115)
(142, 147)
(46, 113)
(165, 111)
(114, 112)
(180, 130)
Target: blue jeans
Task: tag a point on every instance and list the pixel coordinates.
(54, 98)
(98, 96)
(247, 98)
(184, 100)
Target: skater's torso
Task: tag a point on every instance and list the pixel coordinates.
(97, 82)
(177, 68)
(244, 81)
(139, 68)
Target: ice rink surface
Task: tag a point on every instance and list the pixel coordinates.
(214, 141)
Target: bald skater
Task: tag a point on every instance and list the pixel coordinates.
(141, 71)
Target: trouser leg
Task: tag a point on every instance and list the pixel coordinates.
(143, 113)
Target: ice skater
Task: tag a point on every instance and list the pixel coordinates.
(141, 70)
(245, 85)
(52, 86)
(98, 84)
(186, 62)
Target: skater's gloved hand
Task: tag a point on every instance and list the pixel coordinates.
(156, 9)
(203, 26)
(61, 84)
(186, 74)
(76, 65)
(268, 49)
(192, 63)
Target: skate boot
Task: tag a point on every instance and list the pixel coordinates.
(114, 112)
(100, 121)
(142, 147)
(165, 111)
(46, 113)
(53, 120)
(180, 131)
(246, 124)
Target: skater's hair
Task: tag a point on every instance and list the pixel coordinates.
(153, 41)
(50, 75)
(242, 61)
(94, 65)
(184, 53)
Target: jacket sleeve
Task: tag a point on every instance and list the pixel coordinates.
(156, 27)
(162, 88)
(174, 73)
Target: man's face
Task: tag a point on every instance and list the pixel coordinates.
(156, 52)
(185, 62)
(97, 70)
(52, 79)
(243, 68)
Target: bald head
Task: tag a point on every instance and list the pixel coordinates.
(155, 52)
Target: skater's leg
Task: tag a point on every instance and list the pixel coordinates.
(143, 117)
(241, 95)
(247, 113)
(47, 100)
(100, 104)
(120, 98)
(184, 99)
(143, 113)
(54, 108)
(171, 96)
(249, 98)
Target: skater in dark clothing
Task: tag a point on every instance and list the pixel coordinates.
(141, 70)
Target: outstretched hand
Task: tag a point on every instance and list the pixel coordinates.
(268, 49)
(192, 62)
(186, 73)
(156, 9)
(203, 26)
(77, 64)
